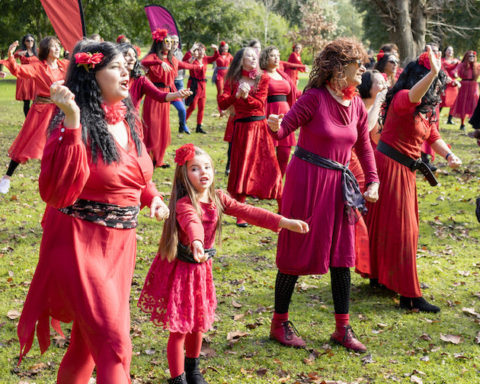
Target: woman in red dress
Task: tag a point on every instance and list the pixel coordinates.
(468, 70)
(282, 94)
(331, 120)
(162, 68)
(221, 67)
(449, 66)
(295, 58)
(254, 168)
(95, 177)
(31, 139)
(393, 221)
(25, 90)
(197, 82)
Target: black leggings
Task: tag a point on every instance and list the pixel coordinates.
(11, 167)
(26, 107)
(340, 282)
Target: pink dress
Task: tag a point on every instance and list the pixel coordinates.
(468, 94)
(313, 193)
(180, 296)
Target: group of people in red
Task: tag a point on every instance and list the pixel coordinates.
(348, 200)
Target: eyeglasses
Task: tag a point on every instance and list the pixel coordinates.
(29, 41)
(166, 41)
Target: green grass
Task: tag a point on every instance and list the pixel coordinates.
(399, 344)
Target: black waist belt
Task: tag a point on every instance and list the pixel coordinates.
(408, 162)
(250, 119)
(185, 254)
(275, 98)
(194, 78)
(161, 85)
(222, 67)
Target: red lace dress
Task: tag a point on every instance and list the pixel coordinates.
(393, 220)
(180, 296)
(31, 139)
(25, 89)
(254, 168)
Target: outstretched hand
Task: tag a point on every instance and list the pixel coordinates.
(294, 225)
(183, 93)
(12, 48)
(454, 161)
(274, 122)
(159, 209)
(198, 252)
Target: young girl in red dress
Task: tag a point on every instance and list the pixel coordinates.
(25, 90)
(31, 139)
(179, 292)
(197, 81)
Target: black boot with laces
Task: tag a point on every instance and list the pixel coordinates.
(192, 371)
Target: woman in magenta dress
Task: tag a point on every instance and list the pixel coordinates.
(468, 70)
(409, 120)
(282, 94)
(31, 139)
(332, 121)
(450, 66)
(254, 168)
(25, 90)
(95, 177)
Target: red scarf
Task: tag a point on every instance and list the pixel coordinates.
(114, 113)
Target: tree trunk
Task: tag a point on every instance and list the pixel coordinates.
(419, 25)
(402, 34)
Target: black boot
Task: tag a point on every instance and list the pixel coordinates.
(477, 210)
(449, 120)
(462, 127)
(178, 380)
(192, 372)
(417, 304)
(199, 129)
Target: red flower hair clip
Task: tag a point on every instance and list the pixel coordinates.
(184, 153)
(120, 38)
(159, 34)
(88, 60)
(137, 48)
(424, 60)
(222, 43)
(380, 55)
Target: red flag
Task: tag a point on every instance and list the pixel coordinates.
(67, 20)
(160, 17)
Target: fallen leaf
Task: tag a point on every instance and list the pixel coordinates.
(471, 312)
(425, 337)
(236, 335)
(13, 314)
(236, 304)
(367, 359)
(454, 339)
(416, 379)
(477, 338)
(262, 371)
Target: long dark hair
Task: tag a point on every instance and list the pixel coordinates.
(88, 97)
(23, 46)
(410, 76)
(158, 48)
(366, 85)
(136, 71)
(45, 45)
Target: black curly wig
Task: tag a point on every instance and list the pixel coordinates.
(410, 76)
(88, 97)
(136, 71)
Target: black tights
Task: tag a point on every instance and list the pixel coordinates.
(11, 167)
(26, 107)
(340, 281)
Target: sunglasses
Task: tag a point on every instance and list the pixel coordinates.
(393, 62)
(358, 62)
(166, 41)
(29, 41)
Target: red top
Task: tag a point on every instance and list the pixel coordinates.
(292, 71)
(26, 59)
(286, 65)
(465, 71)
(224, 60)
(200, 72)
(253, 105)
(156, 73)
(404, 131)
(141, 86)
(40, 72)
(450, 68)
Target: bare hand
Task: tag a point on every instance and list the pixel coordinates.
(435, 60)
(243, 90)
(2, 74)
(454, 161)
(183, 93)
(12, 48)
(371, 194)
(215, 47)
(166, 67)
(64, 99)
(274, 122)
(159, 209)
(293, 225)
(198, 252)
(21, 53)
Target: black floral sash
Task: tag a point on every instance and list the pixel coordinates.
(185, 254)
(108, 215)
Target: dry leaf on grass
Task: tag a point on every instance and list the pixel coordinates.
(454, 339)
(13, 314)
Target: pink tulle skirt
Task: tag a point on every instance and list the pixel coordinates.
(179, 296)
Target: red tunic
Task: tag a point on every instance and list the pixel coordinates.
(25, 87)
(30, 141)
(393, 220)
(451, 91)
(141, 86)
(223, 62)
(294, 58)
(180, 296)
(468, 94)
(284, 87)
(156, 115)
(85, 269)
(314, 194)
(200, 73)
(254, 168)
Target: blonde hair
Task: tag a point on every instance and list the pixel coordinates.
(183, 187)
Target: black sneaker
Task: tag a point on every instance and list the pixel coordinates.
(199, 129)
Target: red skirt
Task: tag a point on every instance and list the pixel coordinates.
(25, 89)
(31, 139)
(466, 100)
(254, 168)
(448, 99)
(229, 128)
(393, 228)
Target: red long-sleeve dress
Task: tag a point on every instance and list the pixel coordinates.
(451, 91)
(313, 193)
(25, 89)
(223, 62)
(180, 296)
(140, 86)
(254, 168)
(294, 58)
(85, 269)
(200, 74)
(467, 98)
(393, 220)
(31, 139)
(156, 115)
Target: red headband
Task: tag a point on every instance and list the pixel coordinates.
(159, 34)
(184, 153)
(380, 55)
